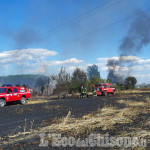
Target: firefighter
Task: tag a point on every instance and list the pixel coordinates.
(83, 91)
(94, 91)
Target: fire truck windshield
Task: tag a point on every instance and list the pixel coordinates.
(3, 90)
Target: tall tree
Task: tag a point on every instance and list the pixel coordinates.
(79, 78)
(92, 71)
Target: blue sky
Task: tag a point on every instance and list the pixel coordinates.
(40, 36)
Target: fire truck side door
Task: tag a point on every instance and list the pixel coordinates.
(9, 95)
(16, 95)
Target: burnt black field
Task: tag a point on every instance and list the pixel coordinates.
(14, 116)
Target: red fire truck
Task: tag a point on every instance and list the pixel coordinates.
(104, 89)
(10, 93)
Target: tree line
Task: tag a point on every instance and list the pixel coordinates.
(65, 83)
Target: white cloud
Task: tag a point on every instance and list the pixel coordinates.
(68, 61)
(32, 60)
(18, 56)
(43, 66)
(142, 61)
(59, 62)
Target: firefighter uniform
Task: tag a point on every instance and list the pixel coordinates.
(83, 91)
(94, 91)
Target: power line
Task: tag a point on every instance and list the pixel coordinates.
(100, 29)
(64, 25)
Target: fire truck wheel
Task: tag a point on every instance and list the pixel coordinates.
(23, 100)
(2, 103)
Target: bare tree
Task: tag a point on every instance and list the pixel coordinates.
(62, 81)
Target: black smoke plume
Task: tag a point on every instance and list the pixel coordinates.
(138, 36)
